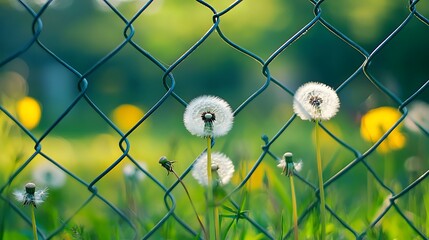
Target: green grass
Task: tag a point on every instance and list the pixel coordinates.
(265, 198)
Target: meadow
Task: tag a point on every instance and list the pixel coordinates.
(135, 202)
(100, 136)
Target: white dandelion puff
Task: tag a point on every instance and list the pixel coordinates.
(316, 101)
(208, 116)
(418, 114)
(222, 166)
(49, 175)
(414, 164)
(132, 172)
(30, 196)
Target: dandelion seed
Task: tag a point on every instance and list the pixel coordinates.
(316, 101)
(30, 196)
(208, 116)
(132, 172)
(49, 175)
(221, 165)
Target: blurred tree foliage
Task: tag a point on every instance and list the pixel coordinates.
(82, 33)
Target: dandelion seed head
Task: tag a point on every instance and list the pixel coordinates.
(288, 166)
(418, 114)
(208, 116)
(414, 164)
(316, 101)
(221, 165)
(49, 175)
(167, 164)
(132, 172)
(30, 196)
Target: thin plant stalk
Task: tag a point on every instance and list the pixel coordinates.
(33, 222)
(211, 209)
(388, 167)
(129, 189)
(216, 221)
(294, 208)
(321, 188)
(369, 190)
(192, 203)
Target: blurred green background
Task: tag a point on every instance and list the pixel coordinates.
(82, 33)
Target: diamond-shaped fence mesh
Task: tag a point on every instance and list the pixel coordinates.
(371, 192)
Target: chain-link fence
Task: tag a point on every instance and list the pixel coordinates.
(166, 202)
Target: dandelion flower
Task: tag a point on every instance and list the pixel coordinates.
(316, 101)
(126, 116)
(376, 122)
(29, 112)
(49, 175)
(262, 175)
(132, 172)
(418, 114)
(208, 116)
(31, 196)
(222, 166)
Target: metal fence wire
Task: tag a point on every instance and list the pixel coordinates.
(168, 201)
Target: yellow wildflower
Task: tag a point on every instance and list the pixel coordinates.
(256, 181)
(29, 112)
(126, 116)
(376, 122)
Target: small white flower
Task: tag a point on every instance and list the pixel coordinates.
(131, 171)
(49, 175)
(221, 165)
(414, 164)
(316, 101)
(208, 116)
(30, 196)
(418, 113)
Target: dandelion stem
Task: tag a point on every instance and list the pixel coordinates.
(216, 221)
(369, 192)
(388, 167)
(192, 203)
(209, 164)
(294, 208)
(321, 188)
(211, 209)
(33, 222)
